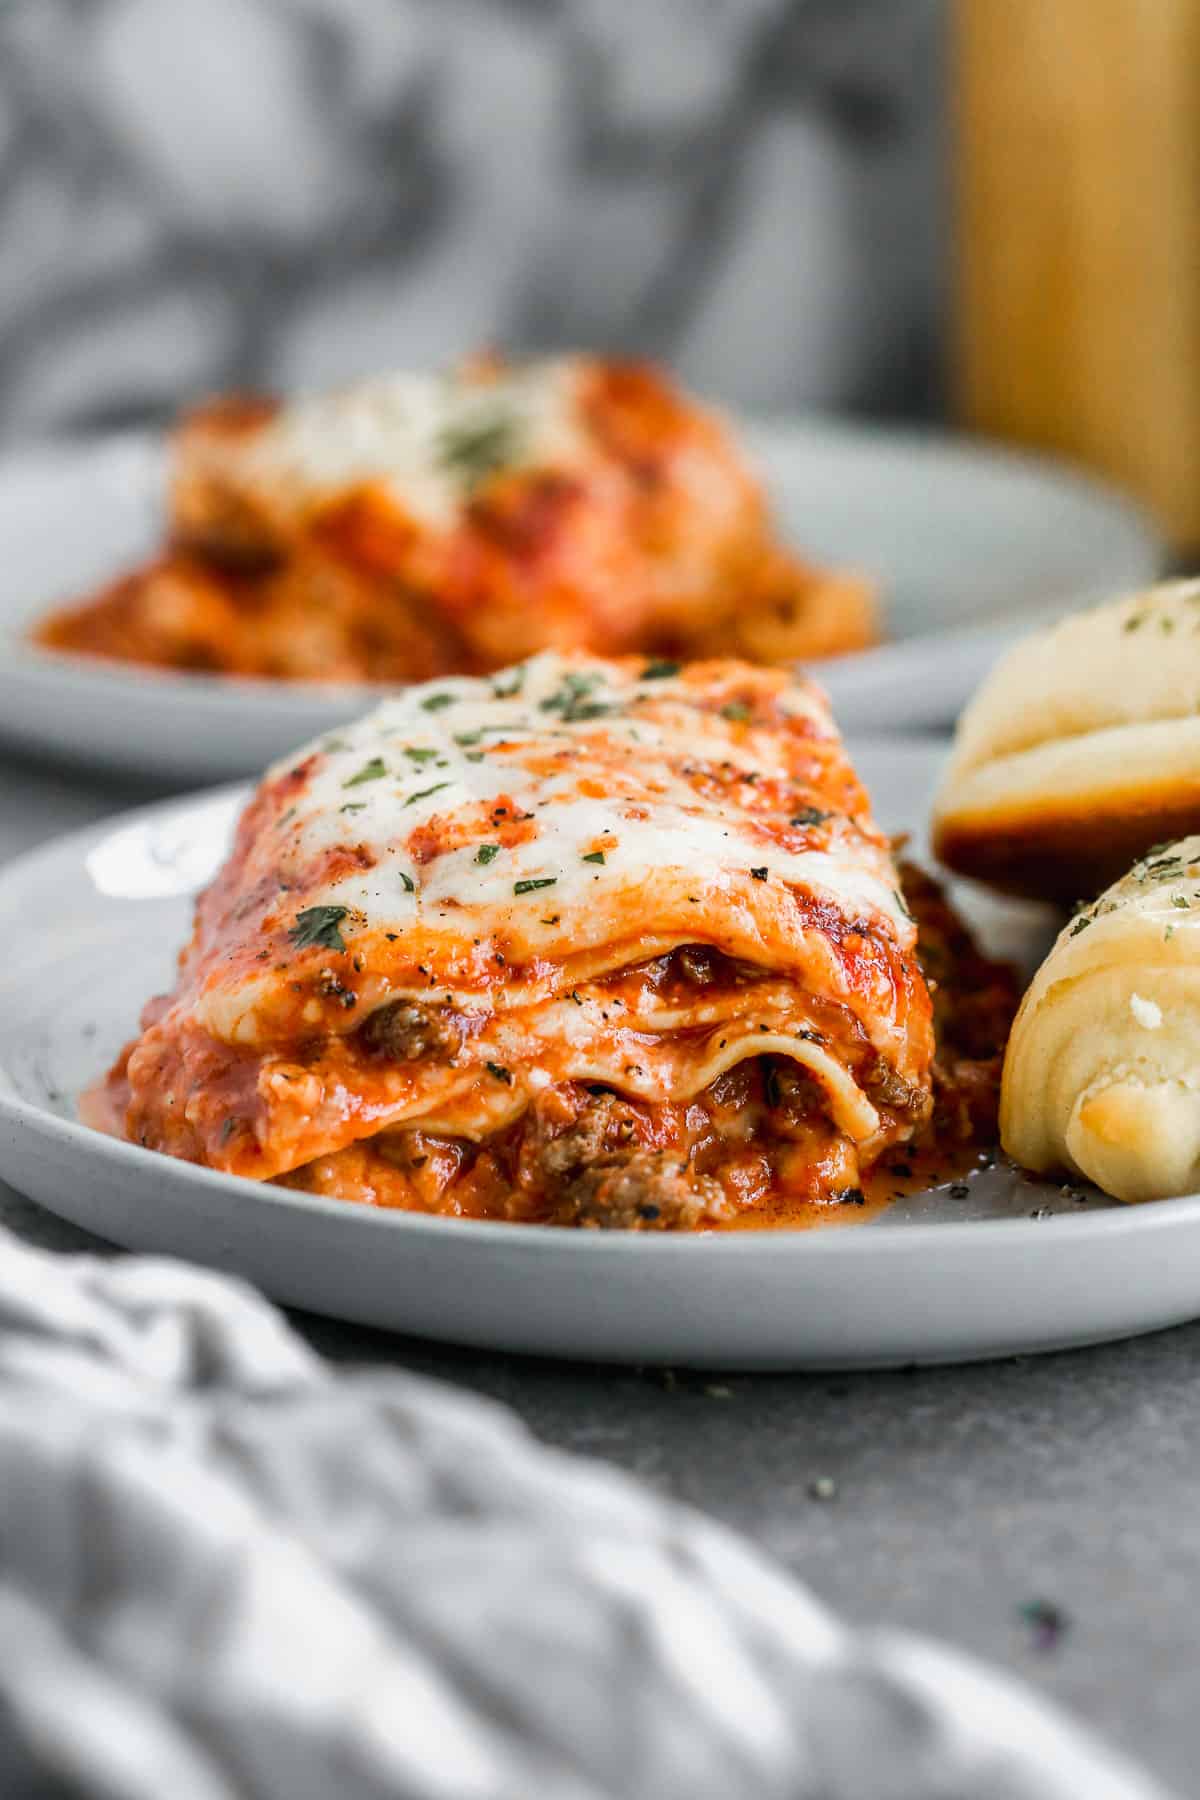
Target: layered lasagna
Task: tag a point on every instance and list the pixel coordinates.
(419, 525)
(589, 943)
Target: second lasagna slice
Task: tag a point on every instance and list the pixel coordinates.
(588, 942)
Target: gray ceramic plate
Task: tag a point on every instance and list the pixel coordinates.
(969, 545)
(92, 924)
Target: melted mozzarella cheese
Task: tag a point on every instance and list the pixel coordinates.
(463, 824)
(411, 434)
(460, 746)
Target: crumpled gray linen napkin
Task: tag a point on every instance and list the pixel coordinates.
(227, 1571)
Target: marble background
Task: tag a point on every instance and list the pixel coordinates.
(201, 193)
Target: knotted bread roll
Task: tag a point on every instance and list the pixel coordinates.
(1102, 1073)
(1080, 750)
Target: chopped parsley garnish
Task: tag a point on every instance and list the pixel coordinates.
(596, 856)
(487, 853)
(435, 702)
(409, 885)
(479, 449)
(370, 771)
(474, 755)
(420, 756)
(467, 737)
(515, 683)
(353, 806)
(735, 709)
(1092, 913)
(531, 887)
(760, 874)
(500, 1072)
(319, 925)
(809, 815)
(573, 701)
(660, 671)
(424, 793)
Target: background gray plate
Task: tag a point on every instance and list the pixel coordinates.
(970, 546)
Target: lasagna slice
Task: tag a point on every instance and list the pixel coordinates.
(425, 524)
(592, 942)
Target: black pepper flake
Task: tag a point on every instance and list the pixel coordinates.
(1047, 1623)
(501, 1073)
(959, 1191)
(760, 874)
(809, 815)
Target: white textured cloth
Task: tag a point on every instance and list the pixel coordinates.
(226, 1571)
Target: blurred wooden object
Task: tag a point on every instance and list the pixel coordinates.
(1077, 173)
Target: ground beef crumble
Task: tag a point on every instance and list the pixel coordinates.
(975, 999)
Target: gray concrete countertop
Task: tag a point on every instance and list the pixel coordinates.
(959, 1497)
